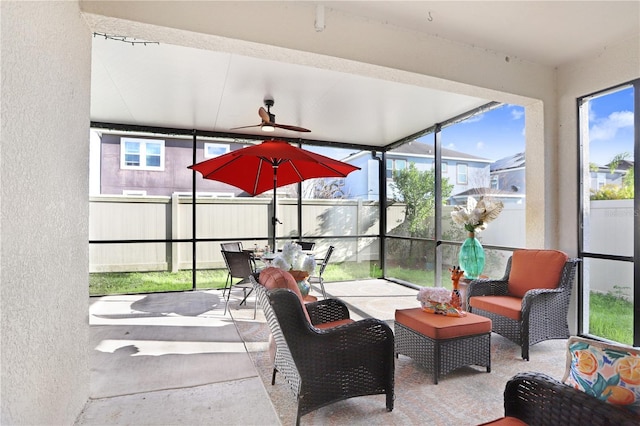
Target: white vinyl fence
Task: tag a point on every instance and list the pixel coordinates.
(236, 219)
(161, 218)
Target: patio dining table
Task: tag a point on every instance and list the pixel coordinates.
(268, 257)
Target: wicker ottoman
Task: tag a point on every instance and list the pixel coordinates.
(443, 344)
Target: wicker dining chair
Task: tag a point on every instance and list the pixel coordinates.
(530, 303)
(323, 363)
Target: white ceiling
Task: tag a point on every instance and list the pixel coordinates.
(164, 85)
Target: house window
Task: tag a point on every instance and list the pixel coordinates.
(445, 169)
(394, 166)
(462, 174)
(212, 150)
(142, 154)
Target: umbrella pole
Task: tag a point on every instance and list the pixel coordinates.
(274, 219)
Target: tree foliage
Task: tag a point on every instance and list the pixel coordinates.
(617, 192)
(416, 190)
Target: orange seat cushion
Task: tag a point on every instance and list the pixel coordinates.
(272, 278)
(506, 306)
(535, 269)
(442, 327)
(505, 421)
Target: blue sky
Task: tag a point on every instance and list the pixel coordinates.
(494, 134)
(500, 132)
(610, 126)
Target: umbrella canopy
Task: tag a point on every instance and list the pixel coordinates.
(269, 165)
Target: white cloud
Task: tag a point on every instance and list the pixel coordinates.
(451, 146)
(517, 113)
(480, 146)
(606, 128)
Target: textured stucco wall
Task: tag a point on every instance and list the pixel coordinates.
(44, 153)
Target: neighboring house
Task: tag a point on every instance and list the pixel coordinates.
(507, 181)
(147, 165)
(463, 170)
(507, 174)
(142, 165)
(602, 175)
(496, 194)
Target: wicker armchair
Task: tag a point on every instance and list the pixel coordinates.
(535, 314)
(540, 400)
(326, 365)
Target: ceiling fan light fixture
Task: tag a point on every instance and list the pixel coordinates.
(268, 128)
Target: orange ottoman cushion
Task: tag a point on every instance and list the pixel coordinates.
(440, 326)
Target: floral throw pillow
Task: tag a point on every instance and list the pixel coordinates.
(605, 371)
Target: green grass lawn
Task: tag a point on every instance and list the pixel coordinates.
(150, 282)
(611, 316)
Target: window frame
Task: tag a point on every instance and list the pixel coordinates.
(224, 146)
(394, 168)
(143, 154)
(460, 166)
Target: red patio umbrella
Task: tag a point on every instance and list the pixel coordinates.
(271, 164)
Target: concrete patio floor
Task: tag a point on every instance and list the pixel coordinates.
(178, 359)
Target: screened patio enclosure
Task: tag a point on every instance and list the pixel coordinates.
(363, 112)
(373, 239)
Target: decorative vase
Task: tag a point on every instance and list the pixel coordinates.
(304, 287)
(301, 279)
(471, 257)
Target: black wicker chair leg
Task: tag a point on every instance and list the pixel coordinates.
(525, 351)
(390, 401)
(298, 415)
(273, 377)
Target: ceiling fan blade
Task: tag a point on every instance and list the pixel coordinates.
(293, 128)
(270, 119)
(264, 115)
(246, 127)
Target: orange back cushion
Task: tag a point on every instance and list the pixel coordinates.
(535, 269)
(272, 278)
